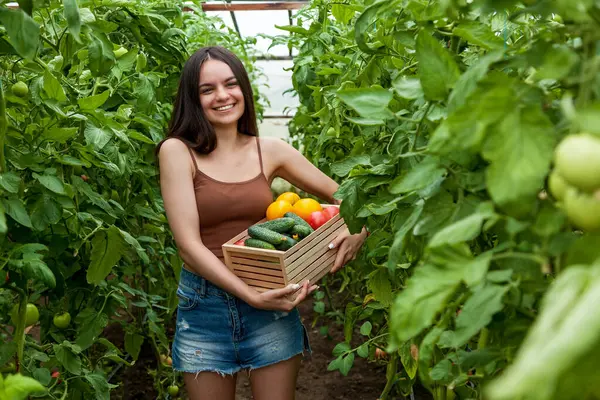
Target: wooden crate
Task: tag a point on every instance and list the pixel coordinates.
(265, 269)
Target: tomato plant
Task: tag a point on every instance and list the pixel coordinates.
(449, 115)
(85, 94)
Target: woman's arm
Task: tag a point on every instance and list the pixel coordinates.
(292, 166)
(177, 189)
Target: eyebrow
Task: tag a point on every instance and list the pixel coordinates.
(210, 84)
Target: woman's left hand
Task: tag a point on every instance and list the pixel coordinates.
(348, 246)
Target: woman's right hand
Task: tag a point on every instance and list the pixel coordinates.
(282, 299)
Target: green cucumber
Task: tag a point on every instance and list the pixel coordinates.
(265, 235)
(280, 225)
(288, 243)
(299, 221)
(259, 244)
(302, 231)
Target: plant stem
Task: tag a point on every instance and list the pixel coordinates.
(20, 329)
(414, 143)
(484, 336)
(3, 125)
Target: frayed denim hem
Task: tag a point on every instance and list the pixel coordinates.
(213, 370)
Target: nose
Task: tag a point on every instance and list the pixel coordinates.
(221, 93)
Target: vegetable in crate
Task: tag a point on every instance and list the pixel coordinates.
(266, 235)
(299, 221)
(259, 244)
(280, 225)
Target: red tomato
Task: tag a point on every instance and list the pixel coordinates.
(331, 211)
(317, 218)
(240, 242)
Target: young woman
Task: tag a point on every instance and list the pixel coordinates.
(215, 176)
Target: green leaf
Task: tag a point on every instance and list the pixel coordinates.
(139, 136)
(144, 92)
(428, 291)
(100, 54)
(71, 11)
(100, 385)
(68, 358)
(561, 364)
(588, 118)
(93, 102)
(340, 349)
(91, 325)
(342, 13)
(23, 32)
(59, 135)
(10, 182)
(365, 329)
(336, 364)
(107, 249)
(467, 83)
(343, 168)
(397, 248)
(347, 363)
(53, 88)
(42, 375)
(478, 34)
(31, 264)
(437, 69)
(26, 5)
(363, 350)
(442, 371)
(16, 210)
(51, 183)
(419, 177)
(408, 361)
(381, 287)
(558, 62)
(477, 312)
(408, 88)
(19, 387)
(519, 149)
(133, 344)
(464, 230)
(350, 316)
(97, 136)
(369, 103)
(46, 211)
(136, 245)
(3, 226)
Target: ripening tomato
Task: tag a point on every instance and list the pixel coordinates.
(577, 160)
(317, 219)
(331, 211)
(583, 210)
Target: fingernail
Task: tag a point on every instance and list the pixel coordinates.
(295, 286)
(331, 246)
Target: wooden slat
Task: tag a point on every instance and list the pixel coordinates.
(263, 284)
(252, 252)
(315, 239)
(257, 263)
(316, 271)
(318, 248)
(304, 242)
(274, 5)
(259, 276)
(310, 263)
(258, 270)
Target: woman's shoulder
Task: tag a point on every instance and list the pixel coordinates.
(273, 144)
(172, 147)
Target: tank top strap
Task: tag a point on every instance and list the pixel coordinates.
(193, 158)
(260, 156)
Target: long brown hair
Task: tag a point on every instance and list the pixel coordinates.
(188, 121)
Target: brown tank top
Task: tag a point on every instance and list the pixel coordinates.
(227, 208)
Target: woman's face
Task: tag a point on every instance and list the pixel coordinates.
(221, 96)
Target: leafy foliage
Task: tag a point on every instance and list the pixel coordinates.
(440, 120)
(82, 221)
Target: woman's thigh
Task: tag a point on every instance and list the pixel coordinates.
(210, 386)
(276, 381)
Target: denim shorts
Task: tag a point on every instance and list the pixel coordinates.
(220, 333)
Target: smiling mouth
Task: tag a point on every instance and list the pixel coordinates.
(224, 108)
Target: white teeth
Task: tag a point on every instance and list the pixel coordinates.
(224, 107)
